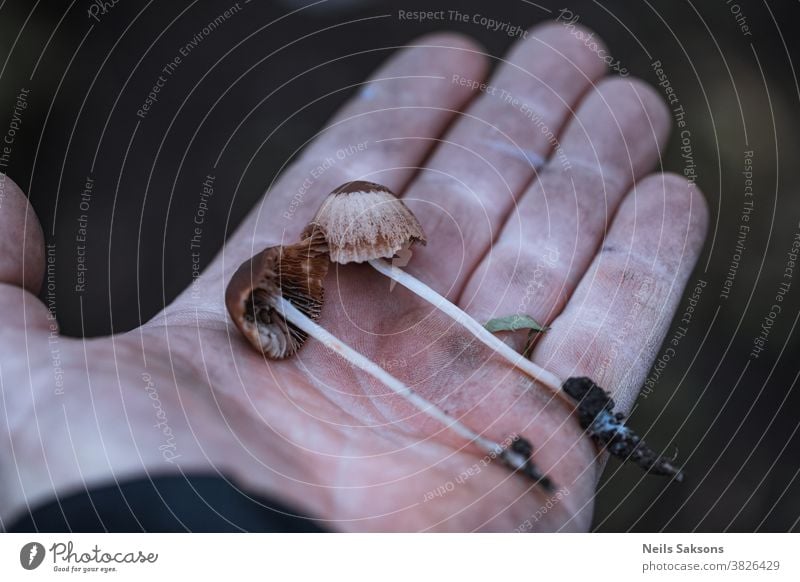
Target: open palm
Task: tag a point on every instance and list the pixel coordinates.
(534, 194)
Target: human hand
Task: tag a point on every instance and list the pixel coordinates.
(573, 245)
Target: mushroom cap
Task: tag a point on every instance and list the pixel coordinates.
(362, 221)
(296, 272)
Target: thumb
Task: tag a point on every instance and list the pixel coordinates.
(21, 239)
(21, 260)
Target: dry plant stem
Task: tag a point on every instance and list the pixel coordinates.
(293, 315)
(516, 359)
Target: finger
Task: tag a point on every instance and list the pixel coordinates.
(21, 259)
(411, 96)
(484, 163)
(613, 326)
(550, 239)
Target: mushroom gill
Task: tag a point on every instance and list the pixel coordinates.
(294, 272)
(362, 221)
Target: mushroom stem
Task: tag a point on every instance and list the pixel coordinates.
(515, 358)
(293, 315)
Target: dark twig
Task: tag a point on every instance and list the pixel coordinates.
(596, 415)
(518, 456)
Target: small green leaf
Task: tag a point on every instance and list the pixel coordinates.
(514, 323)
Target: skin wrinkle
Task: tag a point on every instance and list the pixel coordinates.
(526, 155)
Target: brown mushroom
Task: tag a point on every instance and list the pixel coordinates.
(295, 272)
(362, 221)
(276, 297)
(366, 222)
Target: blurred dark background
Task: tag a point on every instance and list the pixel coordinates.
(732, 418)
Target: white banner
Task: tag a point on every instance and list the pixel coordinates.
(357, 557)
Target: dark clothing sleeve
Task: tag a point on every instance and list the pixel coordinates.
(164, 504)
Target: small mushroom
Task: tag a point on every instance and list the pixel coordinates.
(295, 272)
(362, 221)
(276, 297)
(366, 222)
